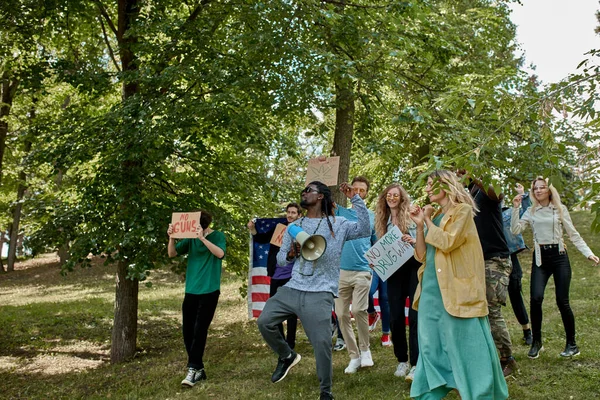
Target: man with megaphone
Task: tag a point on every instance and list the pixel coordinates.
(316, 250)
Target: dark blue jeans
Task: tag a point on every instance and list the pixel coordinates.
(515, 291)
(377, 285)
(554, 264)
(198, 311)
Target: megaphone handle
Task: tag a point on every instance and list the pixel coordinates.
(296, 247)
(293, 253)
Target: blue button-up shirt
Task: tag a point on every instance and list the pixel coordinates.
(515, 242)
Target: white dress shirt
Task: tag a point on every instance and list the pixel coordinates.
(547, 227)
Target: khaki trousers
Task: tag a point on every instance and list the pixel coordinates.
(354, 289)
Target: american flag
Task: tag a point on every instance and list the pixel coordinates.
(258, 280)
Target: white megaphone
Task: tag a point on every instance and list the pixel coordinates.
(312, 247)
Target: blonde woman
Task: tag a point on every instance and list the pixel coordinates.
(456, 349)
(547, 217)
(392, 210)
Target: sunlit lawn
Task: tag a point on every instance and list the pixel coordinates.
(55, 338)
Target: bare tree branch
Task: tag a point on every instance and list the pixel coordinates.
(110, 50)
(104, 13)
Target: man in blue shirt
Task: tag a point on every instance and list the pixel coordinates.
(354, 285)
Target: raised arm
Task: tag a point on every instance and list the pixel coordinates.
(489, 191)
(416, 214)
(525, 200)
(171, 250)
(362, 227)
(518, 224)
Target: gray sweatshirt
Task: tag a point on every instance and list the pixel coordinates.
(323, 275)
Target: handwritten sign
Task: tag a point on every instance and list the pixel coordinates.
(277, 238)
(185, 224)
(389, 253)
(323, 170)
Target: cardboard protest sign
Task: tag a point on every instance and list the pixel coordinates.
(323, 170)
(278, 233)
(185, 224)
(389, 253)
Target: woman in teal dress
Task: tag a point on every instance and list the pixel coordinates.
(455, 342)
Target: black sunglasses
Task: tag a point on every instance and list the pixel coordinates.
(309, 189)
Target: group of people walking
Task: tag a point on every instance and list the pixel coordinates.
(464, 267)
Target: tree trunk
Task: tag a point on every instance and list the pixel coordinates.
(2, 241)
(14, 231)
(20, 249)
(124, 332)
(8, 88)
(63, 253)
(342, 140)
(63, 250)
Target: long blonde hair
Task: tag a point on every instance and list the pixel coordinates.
(455, 191)
(554, 197)
(383, 212)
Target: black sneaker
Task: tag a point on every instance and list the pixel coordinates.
(571, 350)
(534, 352)
(284, 365)
(326, 396)
(527, 337)
(193, 376)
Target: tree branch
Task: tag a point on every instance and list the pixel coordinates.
(343, 3)
(104, 13)
(110, 50)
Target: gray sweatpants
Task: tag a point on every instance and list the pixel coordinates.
(314, 310)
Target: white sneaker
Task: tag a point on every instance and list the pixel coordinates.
(402, 369)
(411, 374)
(355, 364)
(365, 359)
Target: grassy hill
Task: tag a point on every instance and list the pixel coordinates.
(55, 338)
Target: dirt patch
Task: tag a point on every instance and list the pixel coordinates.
(39, 261)
(60, 359)
(55, 364)
(8, 363)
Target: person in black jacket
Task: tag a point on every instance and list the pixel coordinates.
(280, 275)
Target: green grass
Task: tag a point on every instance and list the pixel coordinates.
(55, 338)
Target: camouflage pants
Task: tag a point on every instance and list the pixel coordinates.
(497, 272)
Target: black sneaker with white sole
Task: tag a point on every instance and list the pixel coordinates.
(571, 350)
(284, 365)
(536, 347)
